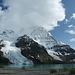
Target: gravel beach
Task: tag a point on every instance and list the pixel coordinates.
(19, 71)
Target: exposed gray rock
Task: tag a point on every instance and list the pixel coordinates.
(33, 50)
(65, 52)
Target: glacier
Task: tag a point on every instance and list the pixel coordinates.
(10, 51)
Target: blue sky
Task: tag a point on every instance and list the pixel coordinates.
(65, 32)
(59, 32)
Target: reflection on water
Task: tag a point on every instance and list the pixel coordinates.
(44, 66)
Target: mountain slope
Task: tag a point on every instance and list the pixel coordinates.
(39, 47)
(44, 38)
(10, 51)
(59, 51)
(33, 50)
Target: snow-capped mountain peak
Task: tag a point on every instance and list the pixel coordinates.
(53, 47)
(44, 38)
(20, 49)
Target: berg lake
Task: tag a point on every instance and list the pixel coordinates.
(51, 66)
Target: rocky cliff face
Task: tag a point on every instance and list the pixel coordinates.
(65, 53)
(33, 50)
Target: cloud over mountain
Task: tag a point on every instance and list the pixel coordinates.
(27, 14)
(70, 31)
(72, 40)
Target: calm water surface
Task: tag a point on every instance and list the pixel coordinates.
(55, 66)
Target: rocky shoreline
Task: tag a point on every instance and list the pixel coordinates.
(31, 71)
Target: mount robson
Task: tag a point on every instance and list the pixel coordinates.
(38, 47)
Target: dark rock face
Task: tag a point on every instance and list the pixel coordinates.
(3, 60)
(33, 50)
(66, 53)
(39, 55)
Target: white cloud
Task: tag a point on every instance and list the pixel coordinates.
(70, 31)
(73, 16)
(72, 40)
(70, 26)
(23, 14)
(66, 21)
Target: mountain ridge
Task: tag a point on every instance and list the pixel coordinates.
(56, 51)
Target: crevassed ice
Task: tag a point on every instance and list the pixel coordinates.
(14, 54)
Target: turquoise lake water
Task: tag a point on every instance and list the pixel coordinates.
(55, 66)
